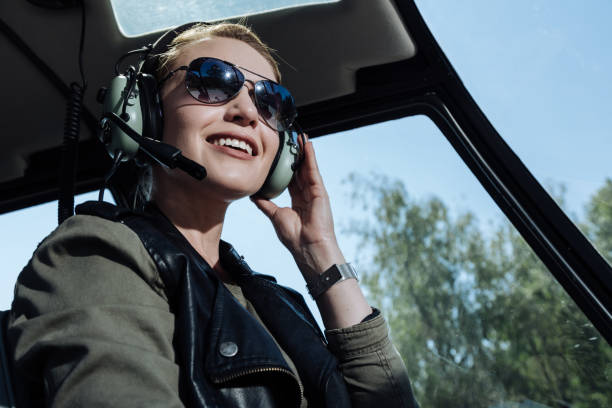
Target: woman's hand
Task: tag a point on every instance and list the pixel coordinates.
(307, 228)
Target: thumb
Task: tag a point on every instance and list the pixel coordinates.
(266, 206)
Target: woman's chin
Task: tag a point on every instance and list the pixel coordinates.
(230, 192)
(226, 187)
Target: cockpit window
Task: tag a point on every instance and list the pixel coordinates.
(139, 17)
(541, 74)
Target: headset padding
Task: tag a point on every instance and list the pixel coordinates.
(151, 107)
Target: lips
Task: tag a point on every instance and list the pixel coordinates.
(235, 142)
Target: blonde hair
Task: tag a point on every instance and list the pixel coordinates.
(200, 32)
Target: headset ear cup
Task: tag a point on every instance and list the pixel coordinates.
(281, 171)
(150, 104)
(114, 138)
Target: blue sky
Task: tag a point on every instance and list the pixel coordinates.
(540, 70)
(157, 14)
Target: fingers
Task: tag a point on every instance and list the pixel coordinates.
(303, 140)
(266, 206)
(296, 190)
(309, 169)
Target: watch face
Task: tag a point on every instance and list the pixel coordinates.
(347, 271)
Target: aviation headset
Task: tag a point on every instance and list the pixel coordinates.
(132, 122)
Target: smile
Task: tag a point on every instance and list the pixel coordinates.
(234, 143)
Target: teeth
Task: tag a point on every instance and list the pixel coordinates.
(234, 143)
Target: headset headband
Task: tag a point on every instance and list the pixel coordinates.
(150, 64)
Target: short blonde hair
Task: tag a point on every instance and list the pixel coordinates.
(202, 31)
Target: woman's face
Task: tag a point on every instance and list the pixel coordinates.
(194, 127)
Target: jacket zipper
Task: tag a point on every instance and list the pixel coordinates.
(242, 373)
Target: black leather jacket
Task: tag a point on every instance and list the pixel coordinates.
(227, 358)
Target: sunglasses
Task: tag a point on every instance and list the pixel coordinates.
(213, 82)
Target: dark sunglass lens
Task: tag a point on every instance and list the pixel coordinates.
(275, 104)
(213, 81)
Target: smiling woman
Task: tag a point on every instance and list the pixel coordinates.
(157, 295)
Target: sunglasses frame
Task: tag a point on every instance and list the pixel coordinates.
(238, 69)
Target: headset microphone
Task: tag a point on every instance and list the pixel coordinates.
(162, 153)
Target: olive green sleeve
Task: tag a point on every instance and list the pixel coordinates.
(371, 365)
(90, 325)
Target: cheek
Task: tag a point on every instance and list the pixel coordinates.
(271, 141)
(184, 117)
(183, 125)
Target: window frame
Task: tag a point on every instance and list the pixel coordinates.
(383, 93)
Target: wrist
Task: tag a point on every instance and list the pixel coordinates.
(317, 258)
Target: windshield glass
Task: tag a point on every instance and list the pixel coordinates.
(477, 318)
(139, 17)
(541, 72)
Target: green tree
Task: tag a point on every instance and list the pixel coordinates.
(599, 219)
(477, 317)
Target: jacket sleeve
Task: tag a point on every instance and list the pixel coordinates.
(90, 325)
(371, 365)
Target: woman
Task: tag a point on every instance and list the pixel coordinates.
(153, 309)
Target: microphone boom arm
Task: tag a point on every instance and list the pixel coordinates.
(162, 153)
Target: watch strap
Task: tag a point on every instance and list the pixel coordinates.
(336, 273)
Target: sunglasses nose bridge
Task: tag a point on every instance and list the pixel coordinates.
(250, 86)
(244, 109)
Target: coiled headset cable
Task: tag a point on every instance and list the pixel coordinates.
(72, 127)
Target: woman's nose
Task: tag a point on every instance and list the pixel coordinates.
(242, 109)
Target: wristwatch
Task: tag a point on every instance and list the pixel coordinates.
(336, 273)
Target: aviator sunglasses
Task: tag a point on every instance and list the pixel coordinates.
(213, 82)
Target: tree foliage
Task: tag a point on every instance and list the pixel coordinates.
(599, 219)
(478, 319)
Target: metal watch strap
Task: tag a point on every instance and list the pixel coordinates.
(336, 273)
